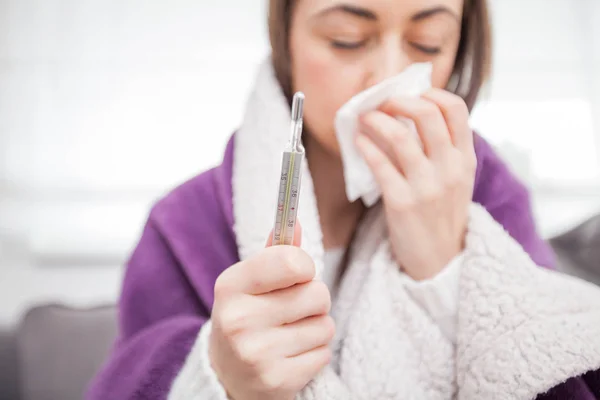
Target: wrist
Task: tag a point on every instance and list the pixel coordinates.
(434, 262)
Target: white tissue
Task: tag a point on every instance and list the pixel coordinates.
(360, 182)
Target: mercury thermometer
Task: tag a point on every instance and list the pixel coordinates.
(289, 183)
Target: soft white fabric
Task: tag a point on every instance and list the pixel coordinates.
(332, 261)
(360, 182)
(197, 380)
(521, 329)
(439, 296)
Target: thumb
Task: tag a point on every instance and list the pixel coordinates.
(297, 236)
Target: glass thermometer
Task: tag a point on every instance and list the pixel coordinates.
(289, 183)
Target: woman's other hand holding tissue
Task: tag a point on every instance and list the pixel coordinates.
(426, 189)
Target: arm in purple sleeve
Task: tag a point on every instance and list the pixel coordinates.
(168, 290)
(586, 387)
(507, 200)
(159, 317)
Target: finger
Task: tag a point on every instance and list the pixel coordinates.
(300, 337)
(395, 140)
(288, 340)
(391, 182)
(274, 309)
(307, 334)
(274, 268)
(294, 304)
(428, 119)
(456, 113)
(383, 138)
(304, 367)
(297, 236)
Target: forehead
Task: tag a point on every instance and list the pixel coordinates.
(389, 8)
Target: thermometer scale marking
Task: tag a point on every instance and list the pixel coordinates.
(287, 202)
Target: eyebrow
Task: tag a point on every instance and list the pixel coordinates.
(421, 15)
(371, 16)
(350, 9)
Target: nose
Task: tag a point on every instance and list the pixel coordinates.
(389, 60)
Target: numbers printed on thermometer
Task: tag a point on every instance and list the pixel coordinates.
(287, 201)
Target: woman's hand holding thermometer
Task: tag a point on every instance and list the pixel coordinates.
(270, 322)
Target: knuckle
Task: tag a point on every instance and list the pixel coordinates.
(400, 203)
(390, 127)
(400, 136)
(223, 284)
(405, 198)
(297, 263)
(323, 358)
(453, 174)
(432, 193)
(434, 92)
(457, 106)
(369, 118)
(461, 168)
(471, 162)
(272, 380)
(247, 352)
(426, 111)
(327, 356)
(453, 180)
(454, 177)
(392, 105)
(320, 295)
(231, 320)
(377, 162)
(328, 327)
(439, 139)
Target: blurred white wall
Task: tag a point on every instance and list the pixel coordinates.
(105, 105)
(543, 106)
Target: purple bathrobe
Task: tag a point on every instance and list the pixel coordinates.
(189, 240)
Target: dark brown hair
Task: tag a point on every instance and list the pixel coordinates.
(473, 61)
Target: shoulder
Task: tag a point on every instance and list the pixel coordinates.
(201, 200)
(495, 183)
(187, 242)
(193, 201)
(195, 220)
(507, 199)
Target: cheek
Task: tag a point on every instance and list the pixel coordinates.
(327, 84)
(311, 72)
(442, 70)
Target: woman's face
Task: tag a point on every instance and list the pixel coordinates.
(340, 48)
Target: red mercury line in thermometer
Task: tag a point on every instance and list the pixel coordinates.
(289, 183)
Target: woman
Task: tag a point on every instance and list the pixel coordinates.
(425, 296)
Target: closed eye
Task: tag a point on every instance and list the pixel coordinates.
(347, 45)
(426, 49)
